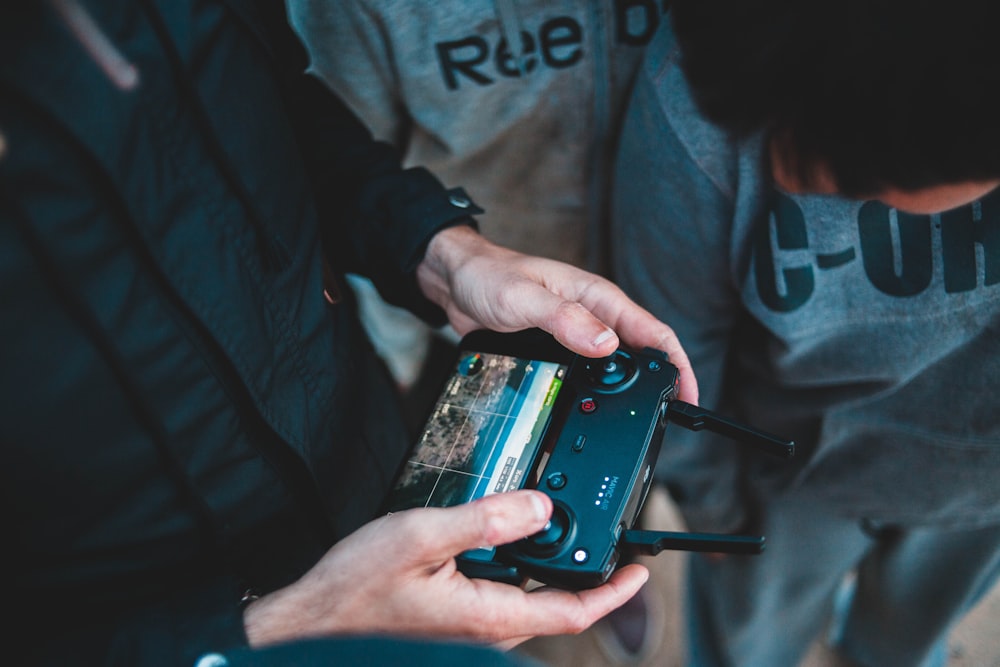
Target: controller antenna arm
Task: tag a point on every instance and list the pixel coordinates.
(696, 418)
(652, 542)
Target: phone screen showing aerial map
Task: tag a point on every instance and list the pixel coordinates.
(484, 431)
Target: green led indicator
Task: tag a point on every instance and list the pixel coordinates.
(550, 397)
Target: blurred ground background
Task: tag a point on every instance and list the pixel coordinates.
(975, 643)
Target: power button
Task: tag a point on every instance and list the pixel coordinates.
(588, 405)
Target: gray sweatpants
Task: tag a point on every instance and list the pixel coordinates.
(891, 596)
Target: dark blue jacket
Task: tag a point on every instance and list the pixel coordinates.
(183, 413)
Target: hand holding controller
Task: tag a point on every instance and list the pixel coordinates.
(524, 412)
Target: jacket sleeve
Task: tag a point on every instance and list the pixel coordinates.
(672, 227)
(376, 217)
(178, 630)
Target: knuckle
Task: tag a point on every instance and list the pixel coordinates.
(491, 524)
(568, 619)
(577, 622)
(570, 308)
(493, 631)
(420, 542)
(507, 300)
(408, 530)
(567, 311)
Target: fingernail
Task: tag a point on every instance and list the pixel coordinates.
(541, 511)
(606, 334)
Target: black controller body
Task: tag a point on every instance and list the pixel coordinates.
(601, 455)
(596, 451)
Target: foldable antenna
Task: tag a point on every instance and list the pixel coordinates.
(695, 418)
(652, 542)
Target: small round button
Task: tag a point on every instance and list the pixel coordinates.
(654, 366)
(588, 405)
(556, 481)
(212, 660)
(459, 201)
(581, 556)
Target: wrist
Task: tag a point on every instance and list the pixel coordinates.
(269, 620)
(447, 251)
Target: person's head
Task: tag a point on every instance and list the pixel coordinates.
(887, 99)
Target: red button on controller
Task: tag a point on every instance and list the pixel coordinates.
(588, 405)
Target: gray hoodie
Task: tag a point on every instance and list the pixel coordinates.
(869, 335)
(529, 136)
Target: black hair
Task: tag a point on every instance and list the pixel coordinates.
(885, 93)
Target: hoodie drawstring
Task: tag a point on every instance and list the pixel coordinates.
(510, 29)
(122, 73)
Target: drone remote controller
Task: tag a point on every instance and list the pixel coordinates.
(521, 411)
